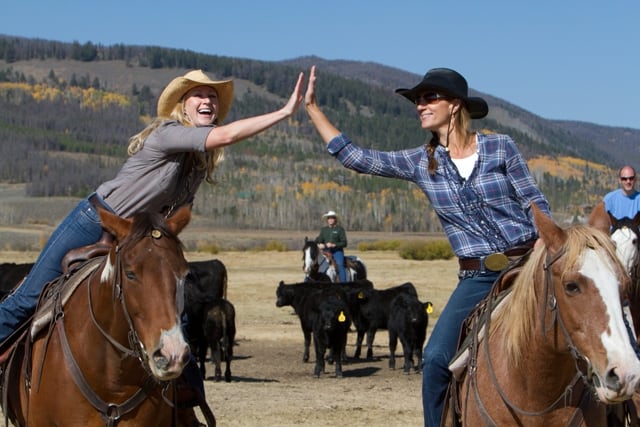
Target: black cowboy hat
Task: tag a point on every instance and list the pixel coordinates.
(448, 82)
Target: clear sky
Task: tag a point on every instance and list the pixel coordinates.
(559, 59)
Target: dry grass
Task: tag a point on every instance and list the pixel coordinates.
(271, 386)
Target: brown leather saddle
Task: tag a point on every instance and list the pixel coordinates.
(71, 263)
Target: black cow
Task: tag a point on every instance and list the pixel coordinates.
(205, 284)
(373, 313)
(10, 275)
(329, 317)
(220, 333)
(295, 295)
(408, 321)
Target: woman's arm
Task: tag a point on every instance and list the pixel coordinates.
(324, 127)
(244, 128)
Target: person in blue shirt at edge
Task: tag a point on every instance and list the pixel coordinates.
(478, 184)
(333, 238)
(168, 161)
(624, 202)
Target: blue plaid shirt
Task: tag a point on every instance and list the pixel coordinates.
(487, 213)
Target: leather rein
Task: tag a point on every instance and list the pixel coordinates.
(566, 396)
(111, 412)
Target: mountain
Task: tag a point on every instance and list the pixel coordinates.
(68, 110)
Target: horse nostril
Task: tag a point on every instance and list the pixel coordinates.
(613, 380)
(160, 360)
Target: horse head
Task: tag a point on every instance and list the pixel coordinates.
(624, 233)
(583, 281)
(558, 327)
(310, 255)
(147, 269)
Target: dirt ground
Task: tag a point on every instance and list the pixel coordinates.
(271, 385)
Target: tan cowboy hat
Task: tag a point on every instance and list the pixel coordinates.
(330, 214)
(178, 87)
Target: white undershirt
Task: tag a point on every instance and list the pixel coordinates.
(465, 166)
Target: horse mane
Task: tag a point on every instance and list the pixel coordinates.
(520, 309)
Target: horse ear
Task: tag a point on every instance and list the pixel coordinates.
(551, 234)
(179, 220)
(600, 218)
(114, 224)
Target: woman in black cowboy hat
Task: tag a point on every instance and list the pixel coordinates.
(480, 188)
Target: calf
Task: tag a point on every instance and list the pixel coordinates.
(373, 313)
(205, 284)
(220, 333)
(295, 295)
(408, 320)
(329, 317)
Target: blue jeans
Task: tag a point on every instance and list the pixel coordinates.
(81, 227)
(443, 343)
(338, 256)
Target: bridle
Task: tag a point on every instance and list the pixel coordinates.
(112, 412)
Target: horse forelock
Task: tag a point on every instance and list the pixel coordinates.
(149, 224)
(524, 300)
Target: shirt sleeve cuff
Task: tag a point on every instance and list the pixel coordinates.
(337, 144)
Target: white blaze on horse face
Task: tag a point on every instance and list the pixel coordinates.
(107, 271)
(626, 247)
(615, 339)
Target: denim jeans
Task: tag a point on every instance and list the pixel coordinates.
(81, 227)
(338, 256)
(443, 343)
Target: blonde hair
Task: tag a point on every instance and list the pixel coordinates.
(460, 124)
(202, 161)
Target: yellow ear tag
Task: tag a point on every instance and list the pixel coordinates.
(156, 234)
(429, 308)
(360, 295)
(341, 317)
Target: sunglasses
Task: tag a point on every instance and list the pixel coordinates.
(428, 98)
(627, 178)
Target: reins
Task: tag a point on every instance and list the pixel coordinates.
(137, 348)
(566, 396)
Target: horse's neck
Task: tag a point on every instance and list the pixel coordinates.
(541, 376)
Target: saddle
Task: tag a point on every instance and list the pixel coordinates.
(71, 263)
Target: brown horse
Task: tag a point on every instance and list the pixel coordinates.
(109, 355)
(542, 352)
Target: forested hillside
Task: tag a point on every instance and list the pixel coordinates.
(67, 111)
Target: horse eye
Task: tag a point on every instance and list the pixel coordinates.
(572, 288)
(130, 275)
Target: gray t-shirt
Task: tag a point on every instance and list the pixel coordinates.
(154, 179)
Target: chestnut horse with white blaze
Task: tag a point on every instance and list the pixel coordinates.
(109, 355)
(552, 347)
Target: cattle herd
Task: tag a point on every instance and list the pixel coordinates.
(327, 311)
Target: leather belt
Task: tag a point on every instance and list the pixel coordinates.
(495, 262)
(97, 202)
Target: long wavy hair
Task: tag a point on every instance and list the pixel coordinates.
(206, 161)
